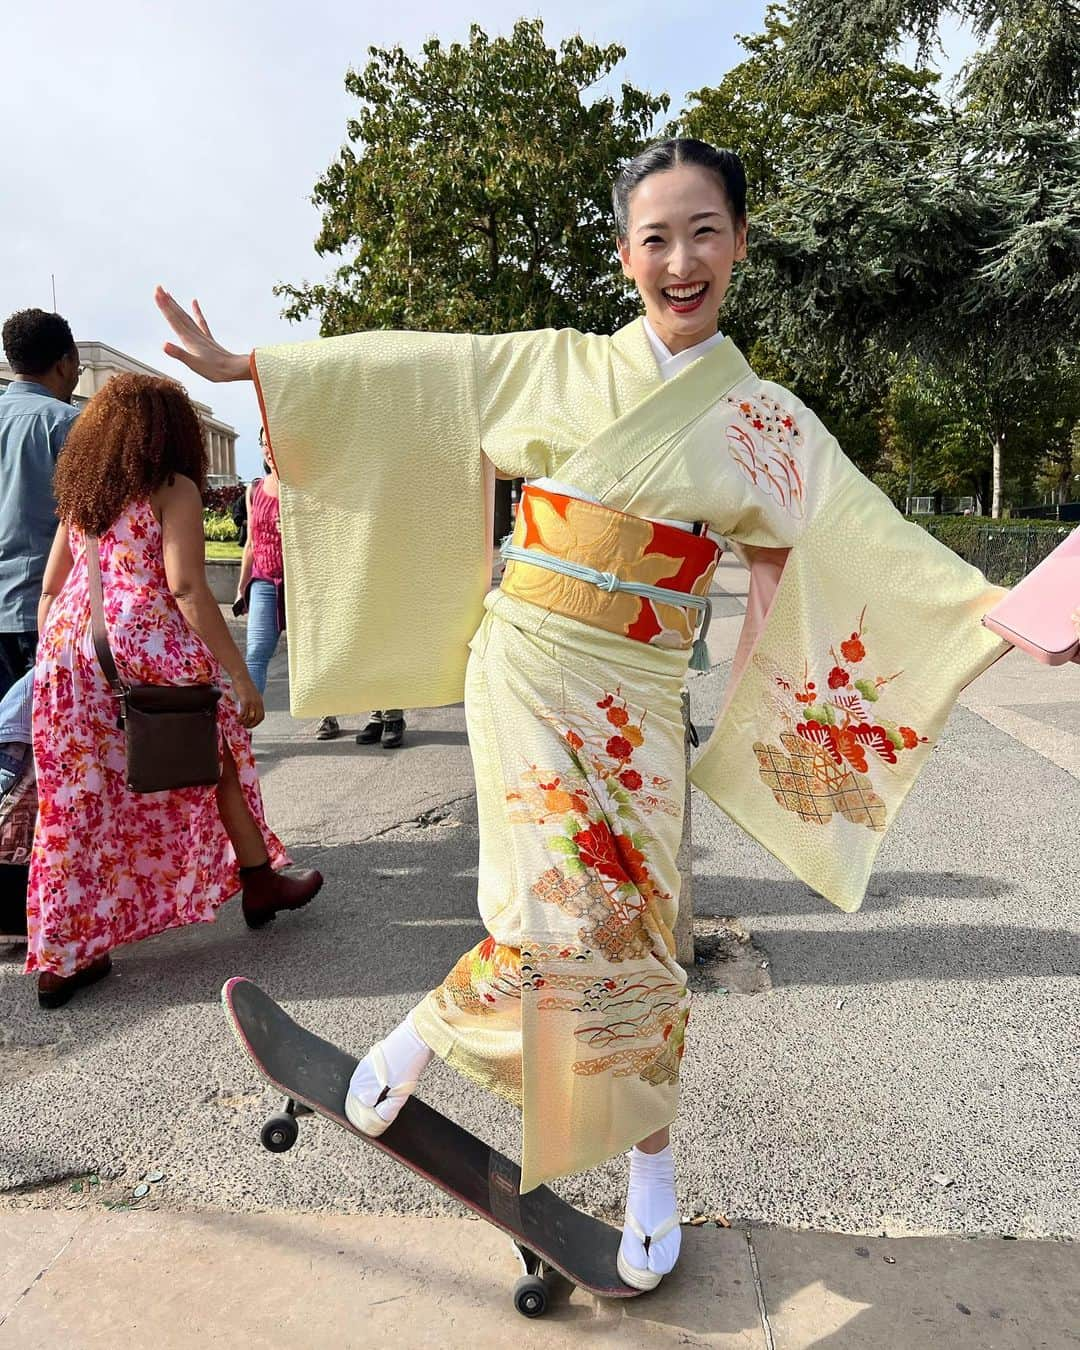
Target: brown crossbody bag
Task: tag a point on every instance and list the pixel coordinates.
(170, 730)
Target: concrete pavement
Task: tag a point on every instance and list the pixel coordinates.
(912, 1069)
(99, 1281)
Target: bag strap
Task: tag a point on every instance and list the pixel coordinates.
(97, 618)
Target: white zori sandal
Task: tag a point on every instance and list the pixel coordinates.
(366, 1119)
(631, 1275)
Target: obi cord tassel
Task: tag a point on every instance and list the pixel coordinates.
(608, 581)
(699, 655)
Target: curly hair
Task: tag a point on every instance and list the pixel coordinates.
(35, 340)
(132, 437)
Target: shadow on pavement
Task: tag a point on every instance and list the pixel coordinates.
(963, 952)
(851, 1293)
(398, 911)
(750, 898)
(269, 752)
(394, 916)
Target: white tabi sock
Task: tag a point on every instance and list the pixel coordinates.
(406, 1057)
(651, 1201)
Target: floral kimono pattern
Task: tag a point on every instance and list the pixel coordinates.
(835, 742)
(580, 822)
(633, 549)
(574, 1004)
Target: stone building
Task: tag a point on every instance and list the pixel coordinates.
(101, 362)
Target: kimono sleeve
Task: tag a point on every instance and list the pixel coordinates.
(386, 509)
(871, 634)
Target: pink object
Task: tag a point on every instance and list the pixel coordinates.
(265, 528)
(109, 865)
(1036, 615)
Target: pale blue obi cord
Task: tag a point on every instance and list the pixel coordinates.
(608, 581)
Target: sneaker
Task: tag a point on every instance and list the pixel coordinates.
(327, 729)
(372, 732)
(393, 729)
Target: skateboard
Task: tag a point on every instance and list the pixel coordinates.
(549, 1235)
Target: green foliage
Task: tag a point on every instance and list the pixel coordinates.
(474, 193)
(1029, 65)
(950, 528)
(220, 528)
(228, 552)
(933, 430)
(763, 113)
(914, 269)
(1004, 550)
(767, 116)
(221, 499)
(897, 236)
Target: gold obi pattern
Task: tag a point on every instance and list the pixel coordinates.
(626, 546)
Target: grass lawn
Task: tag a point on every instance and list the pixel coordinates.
(222, 552)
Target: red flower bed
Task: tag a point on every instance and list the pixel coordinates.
(220, 499)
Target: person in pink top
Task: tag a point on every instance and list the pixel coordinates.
(109, 865)
(261, 589)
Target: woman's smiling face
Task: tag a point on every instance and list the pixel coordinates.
(681, 243)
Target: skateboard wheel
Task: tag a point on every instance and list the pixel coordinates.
(279, 1133)
(531, 1296)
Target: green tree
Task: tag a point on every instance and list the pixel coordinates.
(761, 109)
(1028, 65)
(956, 243)
(767, 114)
(1057, 460)
(474, 192)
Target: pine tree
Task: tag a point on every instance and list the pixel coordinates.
(919, 231)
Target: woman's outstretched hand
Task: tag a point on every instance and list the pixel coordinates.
(198, 349)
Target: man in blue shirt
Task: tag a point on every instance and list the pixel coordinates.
(35, 417)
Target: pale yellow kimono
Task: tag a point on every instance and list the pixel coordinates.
(385, 443)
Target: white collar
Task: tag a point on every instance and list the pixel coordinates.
(671, 364)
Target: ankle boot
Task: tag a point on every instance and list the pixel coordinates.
(267, 892)
(53, 991)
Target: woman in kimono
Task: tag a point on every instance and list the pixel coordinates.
(574, 1005)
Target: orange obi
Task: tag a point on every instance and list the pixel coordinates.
(621, 550)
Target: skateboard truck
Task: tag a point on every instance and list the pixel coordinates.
(533, 1290)
(280, 1132)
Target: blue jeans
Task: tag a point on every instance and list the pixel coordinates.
(262, 630)
(15, 709)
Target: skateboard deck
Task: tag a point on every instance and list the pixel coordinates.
(549, 1233)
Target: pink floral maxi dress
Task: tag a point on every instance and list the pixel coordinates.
(110, 865)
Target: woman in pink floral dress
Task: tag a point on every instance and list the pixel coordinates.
(110, 865)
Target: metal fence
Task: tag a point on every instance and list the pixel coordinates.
(1003, 554)
(937, 505)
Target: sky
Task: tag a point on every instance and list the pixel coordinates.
(179, 143)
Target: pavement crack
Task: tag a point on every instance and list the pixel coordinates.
(759, 1289)
(432, 815)
(45, 1269)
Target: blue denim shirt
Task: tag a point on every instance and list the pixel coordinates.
(33, 427)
